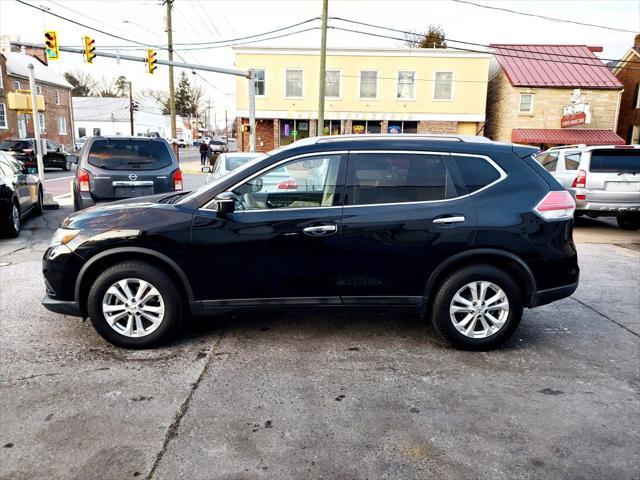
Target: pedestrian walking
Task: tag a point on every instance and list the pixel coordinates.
(204, 153)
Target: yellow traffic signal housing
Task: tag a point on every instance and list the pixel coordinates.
(51, 45)
(89, 49)
(151, 61)
(20, 100)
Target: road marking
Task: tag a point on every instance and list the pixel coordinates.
(62, 196)
(59, 178)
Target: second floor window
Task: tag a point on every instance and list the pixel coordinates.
(38, 89)
(56, 93)
(293, 87)
(406, 85)
(3, 116)
(332, 84)
(526, 102)
(16, 85)
(443, 89)
(368, 84)
(260, 83)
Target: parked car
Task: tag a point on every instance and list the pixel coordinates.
(603, 180)
(20, 195)
(79, 142)
(23, 150)
(112, 168)
(462, 229)
(218, 146)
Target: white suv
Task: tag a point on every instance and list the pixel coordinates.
(603, 180)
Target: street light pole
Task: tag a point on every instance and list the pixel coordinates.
(172, 95)
(36, 123)
(323, 68)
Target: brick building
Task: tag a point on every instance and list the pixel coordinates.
(55, 122)
(629, 75)
(393, 91)
(548, 95)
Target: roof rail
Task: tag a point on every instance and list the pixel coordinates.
(561, 147)
(406, 136)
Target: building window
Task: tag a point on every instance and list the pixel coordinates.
(41, 123)
(332, 84)
(62, 125)
(368, 85)
(16, 85)
(56, 93)
(292, 130)
(3, 116)
(526, 103)
(96, 132)
(293, 84)
(402, 127)
(406, 86)
(38, 90)
(366, 126)
(332, 127)
(636, 102)
(82, 132)
(1, 81)
(261, 85)
(443, 88)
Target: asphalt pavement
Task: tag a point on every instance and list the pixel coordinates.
(334, 394)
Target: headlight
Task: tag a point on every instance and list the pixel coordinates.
(63, 236)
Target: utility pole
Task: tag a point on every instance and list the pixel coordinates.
(172, 95)
(226, 128)
(323, 68)
(36, 123)
(252, 110)
(131, 106)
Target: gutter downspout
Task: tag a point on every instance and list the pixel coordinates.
(615, 122)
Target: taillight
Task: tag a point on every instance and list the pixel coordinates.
(177, 180)
(556, 206)
(83, 181)
(290, 184)
(581, 180)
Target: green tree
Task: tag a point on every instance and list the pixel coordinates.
(183, 96)
(122, 86)
(434, 38)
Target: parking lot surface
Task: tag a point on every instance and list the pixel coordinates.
(349, 394)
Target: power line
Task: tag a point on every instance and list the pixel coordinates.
(249, 41)
(544, 17)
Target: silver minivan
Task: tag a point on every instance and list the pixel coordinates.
(603, 180)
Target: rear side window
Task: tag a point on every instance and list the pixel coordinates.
(572, 161)
(125, 154)
(16, 145)
(476, 172)
(615, 160)
(378, 178)
(550, 162)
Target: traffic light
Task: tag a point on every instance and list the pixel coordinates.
(89, 49)
(151, 61)
(51, 45)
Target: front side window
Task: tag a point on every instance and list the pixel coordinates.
(443, 89)
(260, 83)
(3, 116)
(526, 102)
(368, 84)
(379, 178)
(293, 84)
(476, 172)
(406, 85)
(332, 84)
(308, 182)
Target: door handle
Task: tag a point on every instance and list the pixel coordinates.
(320, 230)
(452, 219)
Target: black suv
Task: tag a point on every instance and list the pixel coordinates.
(23, 150)
(465, 230)
(111, 168)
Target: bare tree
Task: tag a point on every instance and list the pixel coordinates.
(82, 82)
(434, 38)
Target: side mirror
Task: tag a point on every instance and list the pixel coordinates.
(206, 169)
(225, 202)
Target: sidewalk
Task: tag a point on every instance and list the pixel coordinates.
(190, 160)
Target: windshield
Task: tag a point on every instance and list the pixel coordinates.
(127, 154)
(615, 160)
(235, 161)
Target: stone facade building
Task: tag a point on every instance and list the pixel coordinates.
(548, 95)
(56, 122)
(629, 75)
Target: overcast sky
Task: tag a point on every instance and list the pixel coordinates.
(204, 20)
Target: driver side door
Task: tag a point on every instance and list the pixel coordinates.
(281, 244)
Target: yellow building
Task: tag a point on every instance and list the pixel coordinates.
(399, 90)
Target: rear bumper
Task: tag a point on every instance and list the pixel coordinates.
(607, 208)
(543, 297)
(63, 307)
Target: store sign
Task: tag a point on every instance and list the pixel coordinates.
(578, 112)
(286, 130)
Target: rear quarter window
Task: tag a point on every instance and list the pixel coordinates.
(615, 160)
(476, 172)
(128, 154)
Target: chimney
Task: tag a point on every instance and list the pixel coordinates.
(636, 41)
(38, 53)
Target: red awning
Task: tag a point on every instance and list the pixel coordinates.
(566, 136)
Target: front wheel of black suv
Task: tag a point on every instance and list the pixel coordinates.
(628, 222)
(477, 307)
(133, 304)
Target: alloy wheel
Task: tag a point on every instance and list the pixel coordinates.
(133, 307)
(479, 309)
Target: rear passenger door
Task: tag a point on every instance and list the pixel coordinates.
(405, 213)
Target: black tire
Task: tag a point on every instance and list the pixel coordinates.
(13, 230)
(440, 312)
(65, 166)
(161, 281)
(38, 209)
(628, 222)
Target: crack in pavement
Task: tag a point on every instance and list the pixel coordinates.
(54, 374)
(172, 431)
(604, 316)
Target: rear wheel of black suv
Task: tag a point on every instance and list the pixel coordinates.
(135, 305)
(477, 307)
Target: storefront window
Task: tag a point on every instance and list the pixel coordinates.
(331, 127)
(366, 126)
(292, 130)
(396, 127)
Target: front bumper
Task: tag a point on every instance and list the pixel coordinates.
(61, 306)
